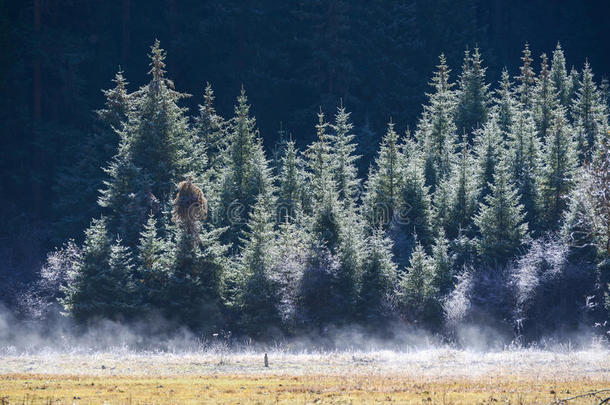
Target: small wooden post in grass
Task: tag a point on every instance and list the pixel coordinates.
(266, 360)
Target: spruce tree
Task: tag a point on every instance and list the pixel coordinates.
(545, 99)
(463, 201)
(501, 219)
(101, 285)
(328, 216)
(126, 194)
(156, 151)
(291, 184)
(472, 95)
(437, 127)
(526, 80)
(334, 223)
(441, 207)
(415, 214)
(581, 225)
(379, 276)
(559, 77)
(122, 295)
(506, 103)
(441, 264)
(524, 161)
(246, 175)
(604, 92)
(153, 266)
(197, 261)
(326, 213)
(588, 114)
(342, 157)
(574, 84)
(487, 149)
(160, 140)
(558, 173)
(210, 142)
(350, 253)
(416, 291)
(385, 181)
(259, 298)
(317, 163)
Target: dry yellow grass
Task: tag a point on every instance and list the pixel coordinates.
(282, 389)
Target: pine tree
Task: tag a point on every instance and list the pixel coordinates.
(545, 99)
(558, 173)
(506, 103)
(379, 276)
(588, 114)
(342, 157)
(559, 77)
(385, 181)
(472, 95)
(523, 158)
(463, 202)
(416, 292)
(488, 146)
(500, 219)
(437, 128)
(101, 285)
(246, 175)
(526, 80)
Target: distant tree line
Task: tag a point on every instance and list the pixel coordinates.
(495, 207)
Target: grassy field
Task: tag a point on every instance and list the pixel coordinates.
(433, 376)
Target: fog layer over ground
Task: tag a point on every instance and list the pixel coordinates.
(112, 349)
(439, 363)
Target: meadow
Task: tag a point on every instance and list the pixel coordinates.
(436, 376)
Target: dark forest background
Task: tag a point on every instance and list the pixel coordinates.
(292, 57)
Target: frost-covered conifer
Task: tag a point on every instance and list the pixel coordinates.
(501, 219)
(472, 95)
(560, 163)
(588, 114)
(385, 181)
